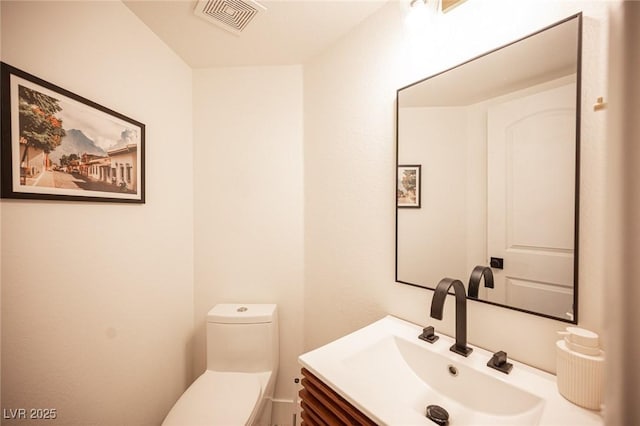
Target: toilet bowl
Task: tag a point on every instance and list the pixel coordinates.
(242, 364)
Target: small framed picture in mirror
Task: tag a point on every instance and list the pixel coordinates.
(408, 186)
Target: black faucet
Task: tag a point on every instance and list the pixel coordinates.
(437, 306)
(474, 280)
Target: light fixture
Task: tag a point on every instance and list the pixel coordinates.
(422, 13)
(417, 17)
(430, 7)
(446, 5)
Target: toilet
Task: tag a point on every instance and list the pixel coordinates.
(242, 364)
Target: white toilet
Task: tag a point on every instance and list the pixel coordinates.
(242, 364)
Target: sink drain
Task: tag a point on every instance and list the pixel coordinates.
(452, 370)
(438, 415)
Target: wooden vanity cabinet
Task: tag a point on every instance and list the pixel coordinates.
(322, 406)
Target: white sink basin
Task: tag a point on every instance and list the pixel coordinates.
(421, 377)
(392, 376)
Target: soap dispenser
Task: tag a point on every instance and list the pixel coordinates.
(580, 367)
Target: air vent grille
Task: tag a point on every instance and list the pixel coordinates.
(232, 15)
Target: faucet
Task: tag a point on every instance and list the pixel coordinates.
(437, 306)
(474, 280)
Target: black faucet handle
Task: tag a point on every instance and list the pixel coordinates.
(499, 358)
(499, 362)
(428, 334)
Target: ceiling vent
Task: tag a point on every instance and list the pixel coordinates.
(232, 15)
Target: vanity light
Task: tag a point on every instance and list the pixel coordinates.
(438, 5)
(421, 13)
(432, 6)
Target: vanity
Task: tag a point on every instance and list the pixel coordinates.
(384, 374)
(321, 405)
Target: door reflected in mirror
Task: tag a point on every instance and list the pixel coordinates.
(497, 142)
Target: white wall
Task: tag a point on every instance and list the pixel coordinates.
(248, 202)
(97, 298)
(350, 170)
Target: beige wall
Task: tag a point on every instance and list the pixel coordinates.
(350, 169)
(97, 298)
(248, 203)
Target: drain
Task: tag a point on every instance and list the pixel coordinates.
(438, 415)
(452, 370)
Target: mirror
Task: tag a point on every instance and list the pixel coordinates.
(488, 173)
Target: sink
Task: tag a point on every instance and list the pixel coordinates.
(392, 376)
(423, 377)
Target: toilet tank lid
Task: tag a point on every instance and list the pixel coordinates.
(241, 313)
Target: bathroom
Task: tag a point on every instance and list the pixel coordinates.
(273, 183)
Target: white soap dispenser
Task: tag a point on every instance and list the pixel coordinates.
(580, 367)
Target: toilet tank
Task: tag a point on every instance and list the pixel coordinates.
(242, 337)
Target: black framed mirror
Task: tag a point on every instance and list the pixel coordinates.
(494, 149)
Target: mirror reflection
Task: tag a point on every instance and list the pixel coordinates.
(491, 146)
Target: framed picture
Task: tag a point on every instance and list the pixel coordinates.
(57, 145)
(409, 185)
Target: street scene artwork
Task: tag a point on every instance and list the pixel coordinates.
(58, 145)
(408, 191)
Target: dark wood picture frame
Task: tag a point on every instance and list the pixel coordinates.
(57, 145)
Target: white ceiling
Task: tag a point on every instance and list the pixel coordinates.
(288, 32)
